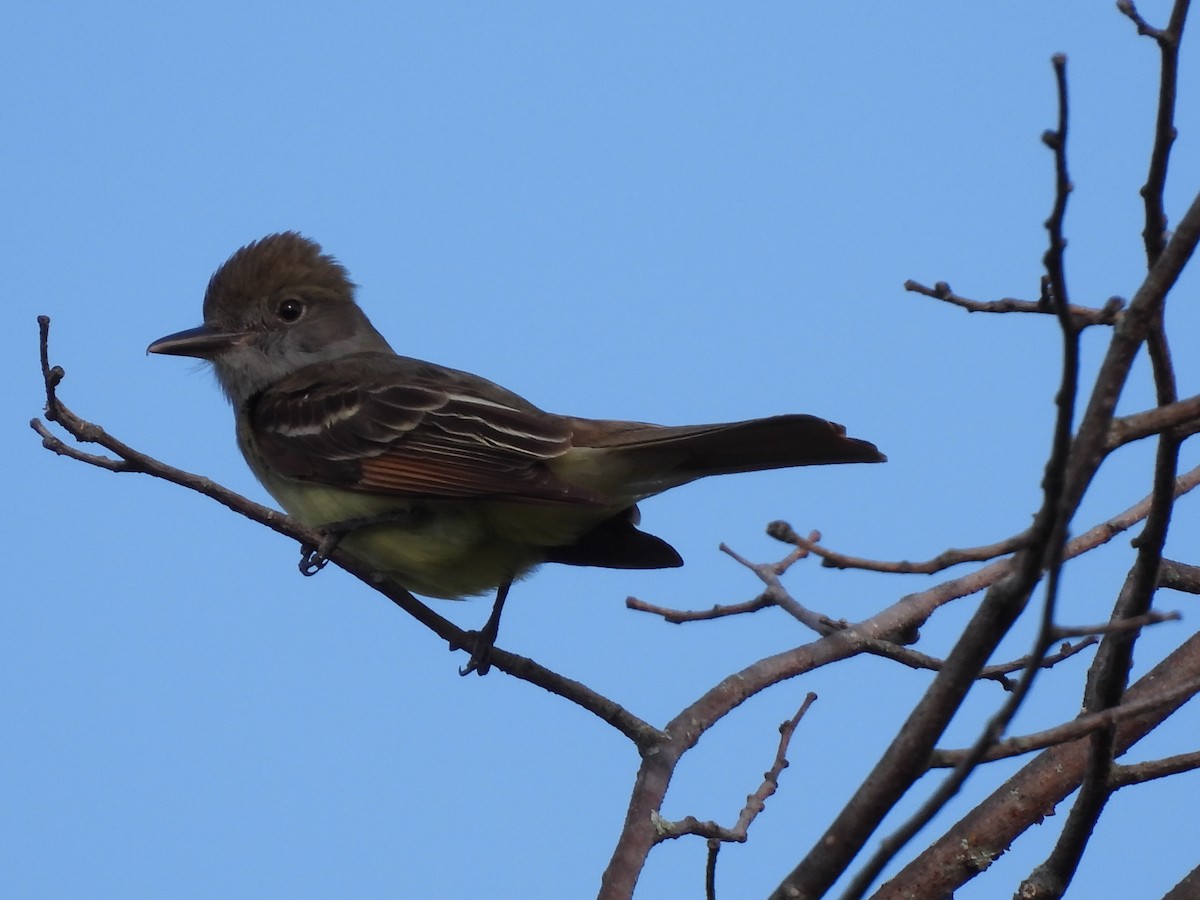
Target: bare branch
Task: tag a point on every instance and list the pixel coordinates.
(998, 672)
(1179, 576)
(1127, 8)
(1168, 39)
(1116, 626)
(1082, 316)
(1066, 651)
(782, 531)
(1137, 773)
(1187, 889)
(755, 803)
(1181, 415)
(99, 460)
(1069, 731)
(718, 611)
(1024, 800)
(776, 595)
(1056, 140)
(1089, 540)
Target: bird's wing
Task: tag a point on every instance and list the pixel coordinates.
(391, 425)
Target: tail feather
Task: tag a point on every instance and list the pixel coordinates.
(773, 443)
(695, 451)
(631, 460)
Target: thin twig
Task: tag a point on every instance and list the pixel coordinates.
(1082, 316)
(1048, 661)
(717, 611)
(1089, 540)
(782, 531)
(1068, 731)
(775, 595)
(998, 672)
(710, 869)
(1181, 415)
(755, 803)
(1178, 576)
(1138, 773)
(1117, 626)
(1168, 39)
(769, 574)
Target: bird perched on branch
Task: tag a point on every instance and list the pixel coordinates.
(441, 480)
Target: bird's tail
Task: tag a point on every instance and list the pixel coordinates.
(662, 456)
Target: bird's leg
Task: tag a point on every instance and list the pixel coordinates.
(313, 559)
(485, 638)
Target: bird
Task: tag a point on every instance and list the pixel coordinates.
(440, 480)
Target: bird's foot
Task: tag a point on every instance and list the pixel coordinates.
(484, 640)
(481, 653)
(314, 559)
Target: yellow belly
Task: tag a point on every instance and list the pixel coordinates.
(447, 549)
(440, 548)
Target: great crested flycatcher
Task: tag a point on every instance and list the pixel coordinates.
(465, 485)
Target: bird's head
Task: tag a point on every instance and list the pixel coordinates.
(277, 305)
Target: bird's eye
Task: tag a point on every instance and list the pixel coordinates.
(290, 309)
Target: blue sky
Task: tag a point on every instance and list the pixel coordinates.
(666, 212)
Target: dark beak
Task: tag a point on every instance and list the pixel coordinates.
(203, 342)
